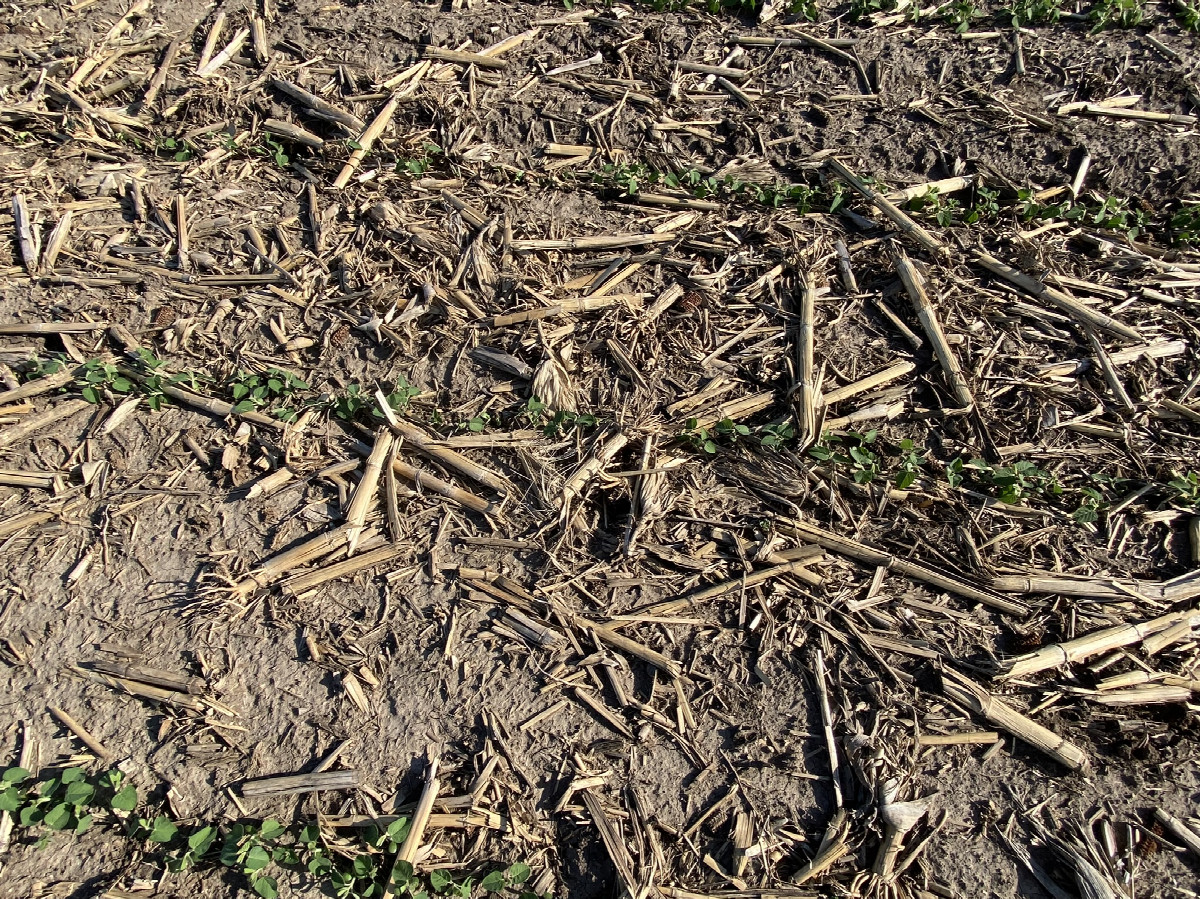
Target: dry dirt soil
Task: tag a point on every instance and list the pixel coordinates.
(552, 554)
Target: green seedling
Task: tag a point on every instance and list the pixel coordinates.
(912, 459)
(860, 9)
(251, 391)
(39, 368)
(1088, 511)
(1184, 225)
(805, 9)
(1024, 13)
(478, 423)
(1188, 15)
(1012, 483)
(100, 379)
(959, 14)
(1116, 14)
(985, 206)
(773, 437)
(558, 424)
(177, 148)
(358, 399)
(943, 210)
(417, 165)
(260, 851)
(863, 462)
(1114, 214)
(708, 440)
(1187, 490)
(273, 150)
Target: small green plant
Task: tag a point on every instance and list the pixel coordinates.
(1114, 214)
(861, 9)
(1030, 209)
(273, 150)
(912, 459)
(985, 206)
(631, 177)
(177, 148)
(39, 368)
(347, 406)
(1188, 15)
(63, 802)
(100, 378)
(805, 9)
(1023, 13)
(1184, 225)
(1186, 489)
(477, 424)
(416, 165)
(560, 423)
(247, 850)
(863, 462)
(943, 210)
(774, 436)
(260, 851)
(252, 391)
(1116, 14)
(1011, 483)
(1088, 511)
(356, 399)
(960, 14)
(708, 440)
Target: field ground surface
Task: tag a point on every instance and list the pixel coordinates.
(599, 449)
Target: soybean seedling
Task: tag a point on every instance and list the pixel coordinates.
(1187, 489)
(100, 379)
(912, 458)
(255, 391)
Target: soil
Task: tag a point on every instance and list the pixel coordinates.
(139, 567)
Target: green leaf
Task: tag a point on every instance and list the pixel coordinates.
(256, 859)
(72, 775)
(440, 881)
(904, 479)
(15, 776)
(10, 799)
(494, 882)
(79, 792)
(91, 395)
(402, 871)
(267, 887)
(122, 385)
(126, 800)
(30, 815)
(398, 830)
(518, 873)
(271, 830)
(59, 817)
(201, 841)
(244, 406)
(363, 866)
(163, 831)
(83, 824)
